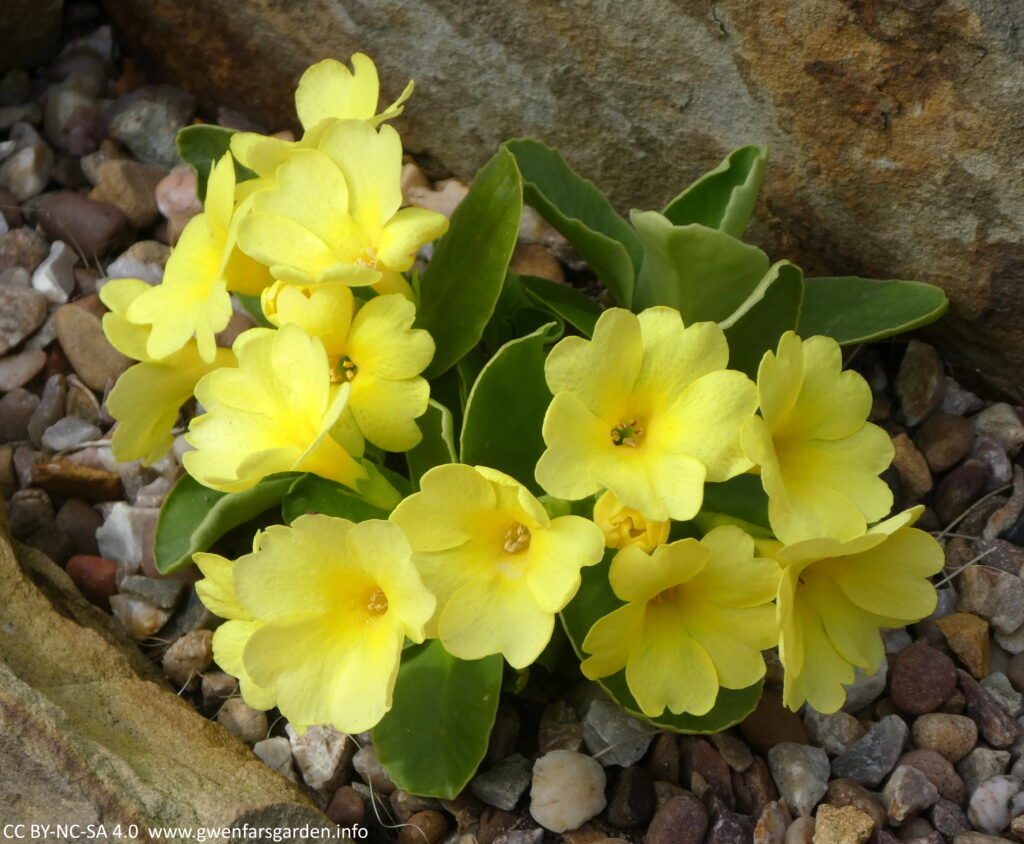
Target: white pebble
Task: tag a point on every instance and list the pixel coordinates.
(55, 277)
(567, 790)
(995, 802)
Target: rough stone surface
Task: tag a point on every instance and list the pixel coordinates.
(567, 790)
(995, 724)
(870, 759)
(967, 635)
(907, 793)
(89, 352)
(841, 825)
(922, 679)
(939, 770)
(994, 595)
(503, 784)
(22, 311)
(994, 803)
(801, 772)
(613, 736)
(951, 736)
(682, 820)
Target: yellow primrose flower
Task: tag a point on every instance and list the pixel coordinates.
(273, 413)
(819, 456)
(147, 397)
(835, 595)
(647, 410)
(192, 300)
(330, 603)
(377, 352)
(327, 91)
(623, 526)
(698, 615)
(334, 213)
(500, 566)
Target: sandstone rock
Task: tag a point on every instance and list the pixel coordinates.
(945, 440)
(21, 312)
(22, 248)
(922, 678)
(951, 736)
(841, 825)
(967, 635)
(81, 336)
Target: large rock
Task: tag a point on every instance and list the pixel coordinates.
(893, 125)
(90, 732)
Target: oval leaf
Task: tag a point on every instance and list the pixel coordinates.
(460, 286)
(565, 302)
(704, 273)
(723, 198)
(201, 146)
(505, 410)
(194, 517)
(436, 734)
(856, 310)
(313, 494)
(770, 311)
(576, 208)
(595, 599)
(438, 444)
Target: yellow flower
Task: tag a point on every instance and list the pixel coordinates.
(819, 456)
(147, 397)
(647, 410)
(623, 526)
(698, 615)
(835, 595)
(500, 567)
(377, 352)
(330, 604)
(274, 413)
(333, 213)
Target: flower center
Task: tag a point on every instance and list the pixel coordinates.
(666, 596)
(378, 604)
(342, 369)
(368, 259)
(517, 538)
(628, 433)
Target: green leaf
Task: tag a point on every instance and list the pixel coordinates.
(723, 198)
(576, 208)
(438, 444)
(704, 273)
(596, 599)
(461, 285)
(769, 312)
(505, 411)
(201, 146)
(436, 734)
(254, 307)
(313, 494)
(194, 517)
(565, 302)
(742, 497)
(857, 310)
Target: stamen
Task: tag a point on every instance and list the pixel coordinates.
(666, 595)
(628, 434)
(378, 603)
(517, 538)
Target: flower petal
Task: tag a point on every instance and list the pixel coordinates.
(556, 555)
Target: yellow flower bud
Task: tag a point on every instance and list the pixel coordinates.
(623, 526)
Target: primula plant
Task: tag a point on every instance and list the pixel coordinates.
(442, 467)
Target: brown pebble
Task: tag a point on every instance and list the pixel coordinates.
(967, 635)
(920, 382)
(951, 736)
(632, 799)
(93, 358)
(939, 771)
(758, 781)
(427, 827)
(959, 489)
(915, 476)
(72, 480)
(346, 808)
(700, 758)
(922, 679)
(91, 228)
(80, 521)
(95, 577)
(771, 723)
(996, 725)
(944, 440)
(844, 792)
(663, 758)
(682, 820)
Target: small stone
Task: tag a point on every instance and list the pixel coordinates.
(26, 171)
(90, 354)
(24, 249)
(16, 277)
(733, 750)
(994, 595)
(872, 757)
(73, 120)
(504, 736)
(944, 440)
(277, 754)
(22, 311)
(17, 370)
(844, 792)
(801, 831)
(347, 808)
(772, 723)
(613, 736)
(176, 193)
(758, 783)
(140, 618)
(163, 592)
(959, 489)
(322, 754)
(998, 685)
(922, 679)
(865, 688)
(908, 793)
(148, 252)
(217, 687)
(127, 266)
(126, 533)
(959, 402)
(728, 827)
(801, 773)
(706, 768)
(148, 121)
(682, 820)
(187, 658)
(503, 784)
(632, 799)
(920, 382)
(912, 468)
(978, 838)
(49, 409)
(989, 451)
(55, 276)
(246, 724)
(16, 409)
(1015, 671)
(72, 480)
(982, 764)
(951, 736)
(567, 790)
(1001, 421)
(534, 259)
(967, 635)
(939, 771)
(68, 432)
(404, 805)
(369, 768)
(948, 818)
(772, 824)
(1000, 554)
(663, 760)
(25, 457)
(841, 825)
(95, 577)
(90, 227)
(836, 731)
(130, 186)
(995, 724)
(994, 803)
(81, 402)
(428, 827)
(444, 199)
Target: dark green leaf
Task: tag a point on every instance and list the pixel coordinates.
(461, 285)
(194, 517)
(566, 302)
(313, 494)
(577, 209)
(724, 197)
(201, 147)
(506, 408)
(856, 310)
(596, 599)
(770, 311)
(438, 444)
(742, 497)
(704, 273)
(254, 308)
(436, 734)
